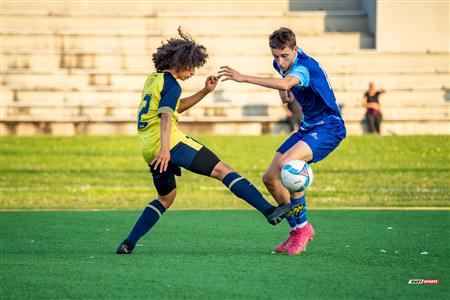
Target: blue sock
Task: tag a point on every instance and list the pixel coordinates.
(242, 188)
(292, 221)
(148, 218)
(300, 218)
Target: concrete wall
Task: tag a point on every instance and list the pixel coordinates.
(370, 7)
(412, 25)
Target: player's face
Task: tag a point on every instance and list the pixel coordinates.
(186, 73)
(284, 57)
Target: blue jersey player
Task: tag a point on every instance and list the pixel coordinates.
(320, 131)
(166, 149)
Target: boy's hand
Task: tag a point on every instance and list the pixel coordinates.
(162, 160)
(229, 73)
(211, 83)
(287, 97)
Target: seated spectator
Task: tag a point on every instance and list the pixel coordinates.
(373, 113)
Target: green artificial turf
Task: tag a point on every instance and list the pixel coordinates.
(224, 255)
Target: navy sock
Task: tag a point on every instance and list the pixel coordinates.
(300, 218)
(148, 218)
(242, 188)
(292, 221)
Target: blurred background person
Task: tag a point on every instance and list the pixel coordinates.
(371, 102)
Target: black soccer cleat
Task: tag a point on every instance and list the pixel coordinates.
(283, 211)
(125, 248)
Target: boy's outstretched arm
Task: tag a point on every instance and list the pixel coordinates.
(281, 84)
(188, 102)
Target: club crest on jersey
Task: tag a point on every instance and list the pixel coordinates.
(314, 135)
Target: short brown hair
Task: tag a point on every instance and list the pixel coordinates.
(179, 53)
(281, 38)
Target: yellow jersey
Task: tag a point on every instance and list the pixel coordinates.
(161, 94)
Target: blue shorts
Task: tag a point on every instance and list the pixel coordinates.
(190, 155)
(322, 139)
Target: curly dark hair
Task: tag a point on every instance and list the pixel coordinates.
(281, 38)
(179, 53)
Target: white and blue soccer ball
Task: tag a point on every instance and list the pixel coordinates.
(296, 176)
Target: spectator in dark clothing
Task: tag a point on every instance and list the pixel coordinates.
(373, 113)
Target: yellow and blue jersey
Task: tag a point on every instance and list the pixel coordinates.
(161, 94)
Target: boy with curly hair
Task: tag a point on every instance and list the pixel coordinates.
(166, 149)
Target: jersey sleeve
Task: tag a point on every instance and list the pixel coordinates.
(276, 67)
(302, 73)
(169, 95)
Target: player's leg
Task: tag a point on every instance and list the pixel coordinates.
(166, 187)
(316, 144)
(271, 180)
(199, 159)
(292, 149)
(243, 189)
(299, 151)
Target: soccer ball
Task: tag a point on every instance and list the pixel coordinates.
(296, 176)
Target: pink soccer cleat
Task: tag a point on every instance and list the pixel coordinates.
(300, 239)
(283, 247)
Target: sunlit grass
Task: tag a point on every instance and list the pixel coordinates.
(108, 173)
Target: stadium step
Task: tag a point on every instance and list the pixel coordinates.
(91, 77)
(256, 64)
(253, 95)
(78, 67)
(402, 113)
(303, 22)
(217, 43)
(222, 126)
(107, 112)
(143, 8)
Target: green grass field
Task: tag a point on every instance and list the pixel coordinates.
(191, 255)
(109, 173)
(224, 253)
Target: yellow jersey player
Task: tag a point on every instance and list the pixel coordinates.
(166, 149)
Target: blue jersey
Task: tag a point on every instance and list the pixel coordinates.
(314, 92)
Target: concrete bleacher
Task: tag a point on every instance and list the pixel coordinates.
(72, 68)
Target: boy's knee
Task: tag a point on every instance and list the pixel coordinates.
(221, 170)
(269, 179)
(168, 199)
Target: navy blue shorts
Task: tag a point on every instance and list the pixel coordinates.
(192, 156)
(322, 139)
